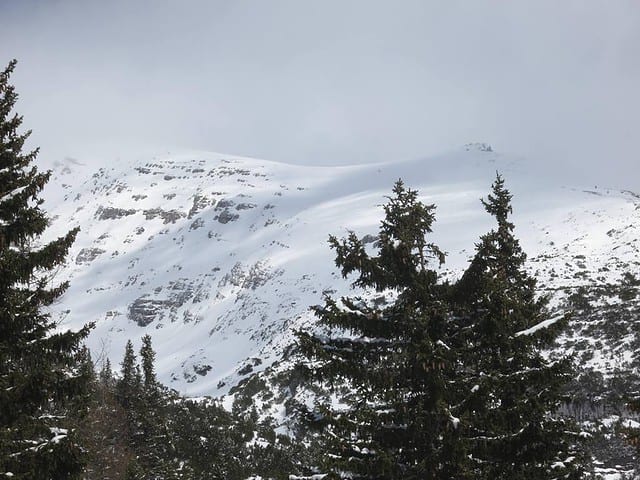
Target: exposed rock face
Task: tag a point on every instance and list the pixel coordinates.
(200, 202)
(249, 366)
(245, 206)
(202, 370)
(144, 310)
(110, 213)
(87, 255)
(259, 274)
(226, 216)
(166, 301)
(181, 291)
(250, 277)
(225, 204)
(479, 146)
(196, 224)
(167, 216)
(235, 277)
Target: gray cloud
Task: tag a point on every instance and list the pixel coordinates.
(332, 81)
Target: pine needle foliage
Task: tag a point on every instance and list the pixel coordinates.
(144, 430)
(510, 392)
(148, 356)
(387, 347)
(39, 365)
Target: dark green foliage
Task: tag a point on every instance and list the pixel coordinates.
(39, 374)
(633, 434)
(137, 429)
(130, 382)
(391, 355)
(437, 380)
(103, 431)
(509, 391)
(106, 374)
(145, 405)
(210, 439)
(148, 356)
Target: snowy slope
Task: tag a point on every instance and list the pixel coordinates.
(218, 257)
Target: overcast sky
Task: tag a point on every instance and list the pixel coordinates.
(331, 82)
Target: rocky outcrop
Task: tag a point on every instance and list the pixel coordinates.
(110, 213)
(167, 216)
(144, 311)
(88, 255)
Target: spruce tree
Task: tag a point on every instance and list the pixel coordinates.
(632, 432)
(130, 382)
(106, 374)
(148, 356)
(390, 355)
(151, 431)
(509, 390)
(39, 372)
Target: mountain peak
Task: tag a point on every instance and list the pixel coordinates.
(220, 257)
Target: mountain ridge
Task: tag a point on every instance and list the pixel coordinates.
(220, 257)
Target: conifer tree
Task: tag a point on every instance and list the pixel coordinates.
(129, 383)
(148, 356)
(632, 433)
(86, 369)
(509, 390)
(151, 434)
(106, 374)
(391, 355)
(39, 371)
(86, 365)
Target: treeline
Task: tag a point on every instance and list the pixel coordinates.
(130, 426)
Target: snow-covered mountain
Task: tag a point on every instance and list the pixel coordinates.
(218, 257)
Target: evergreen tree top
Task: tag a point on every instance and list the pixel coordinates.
(11, 142)
(148, 356)
(403, 250)
(129, 360)
(498, 203)
(512, 391)
(394, 362)
(21, 219)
